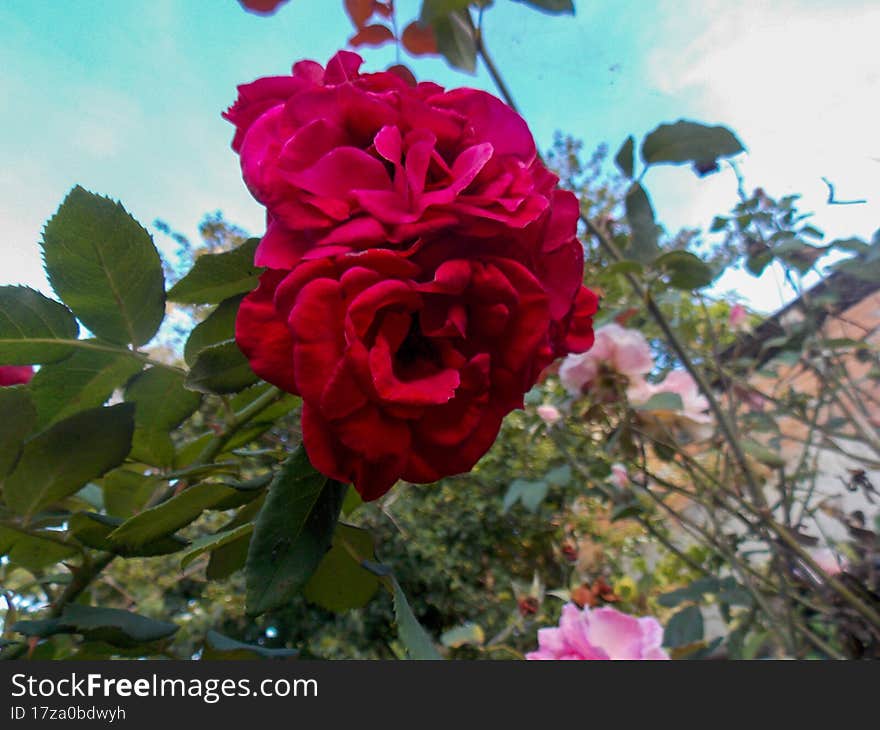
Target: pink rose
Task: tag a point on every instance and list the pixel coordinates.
(15, 374)
(549, 414)
(600, 633)
(738, 319)
(618, 349)
(829, 561)
(620, 476)
(692, 418)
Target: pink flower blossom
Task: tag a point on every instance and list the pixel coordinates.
(624, 351)
(620, 476)
(691, 418)
(549, 414)
(600, 633)
(738, 318)
(828, 560)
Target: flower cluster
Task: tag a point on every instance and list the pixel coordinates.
(422, 266)
(618, 363)
(15, 374)
(600, 633)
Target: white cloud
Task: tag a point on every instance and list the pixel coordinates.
(800, 84)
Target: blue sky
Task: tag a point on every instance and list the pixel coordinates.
(124, 98)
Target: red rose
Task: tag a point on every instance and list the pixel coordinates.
(405, 369)
(345, 161)
(422, 266)
(15, 375)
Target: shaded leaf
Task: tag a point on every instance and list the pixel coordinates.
(219, 276)
(645, 232)
(34, 328)
(455, 40)
(209, 543)
(127, 491)
(530, 494)
(161, 405)
(84, 380)
(19, 419)
(624, 157)
(34, 550)
(662, 402)
(687, 141)
(221, 369)
(57, 462)
(103, 265)
(692, 592)
(93, 530)
(174, 513)
(685, 627)
(340, 583)
(551, 6)
(293, 532)
(217, 327)
(112, 625)
(219, 647)
(684, 270)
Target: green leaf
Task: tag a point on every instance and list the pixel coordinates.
(645, 233)
(555, 7)
(624, 267)
(351, 502)
(293, 532)
(219, 647)
(84, 380)
(218, 276)
(693, 592)
(19, 419)
(161, 405)
(35, 550)
(456, 41)
(626, 510)
(559, 477)
(530, 494)
(172, 514)
(112, 625)
(469, 634)
(58, 461)
(93, 530)
(662, 402)
(685, 627)
(217, 327)
(220, 368)
(341, 583)
(102, 263)
(686, 141)
(209, 543)
(231, 557)
(34, 328)
(761, 453)
(418, 643)
(127, 491)
(228, 558)
(684, 270)
(624, 157)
